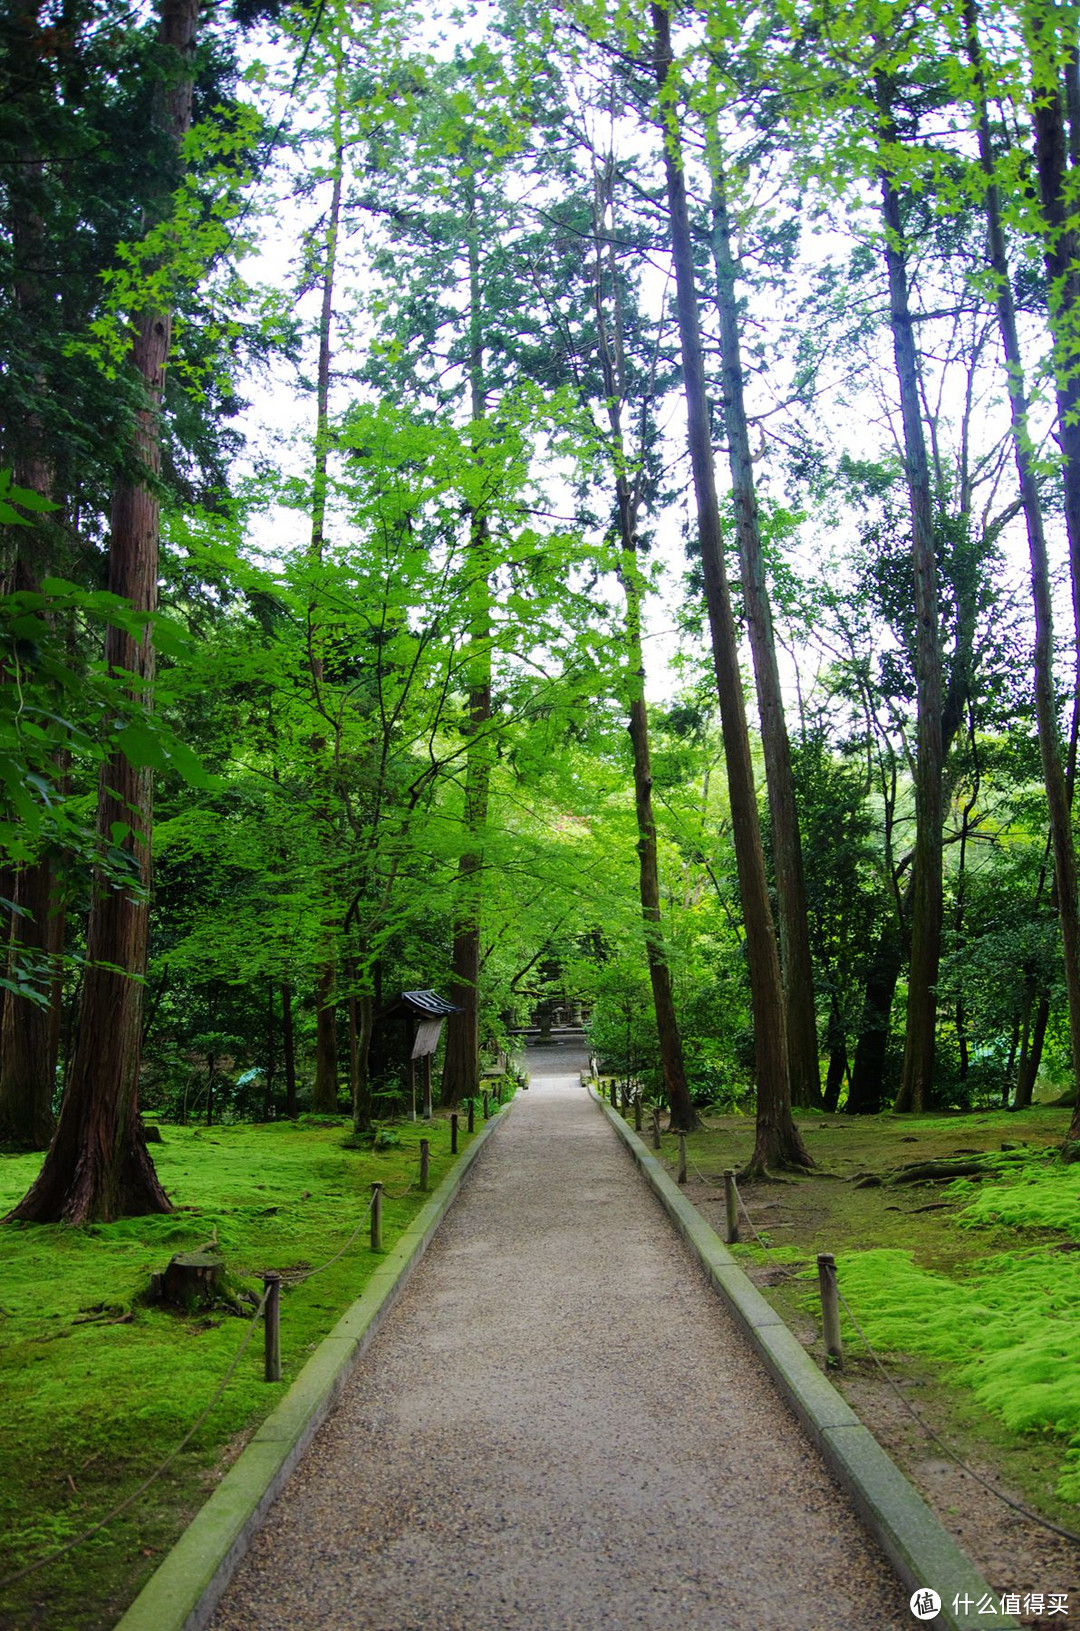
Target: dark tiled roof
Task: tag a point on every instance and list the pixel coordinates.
(429, 1002)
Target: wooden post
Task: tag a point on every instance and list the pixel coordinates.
(830, 1310)
(624, 1105)
(272, 1326)
(376, 1217)
(731, 1207)
(614, 1093)
(453, 1133)
(655, 1128)
(472, 1114)
(682, 1158)
(412, 1088)
(637, 1112)
(425, 1165)
(427, 1087)
(487, 1105)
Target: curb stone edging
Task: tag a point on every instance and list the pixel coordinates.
(184, 1590)
(919, 1548)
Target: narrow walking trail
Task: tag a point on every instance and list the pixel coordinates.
(560, 1429)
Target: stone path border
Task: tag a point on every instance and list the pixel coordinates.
(912, 1538)
(183, 1592)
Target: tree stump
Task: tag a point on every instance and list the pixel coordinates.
(194, 1280)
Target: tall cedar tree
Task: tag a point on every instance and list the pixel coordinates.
(1046, 713)
(917, 1072)
(98, 1167)
(612, 353)
(795, 960)
(778, 1142)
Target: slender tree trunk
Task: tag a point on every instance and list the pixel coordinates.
(1061, 254)
(363, 1022)
(795, 960)
(1050, 745)
(324, 1098)
(270, 1075)
(611, 349)
(288, 1049)
(28, 1067)
(868, 1071)
(777, 1142)
(461, 1060)
(98, 1166)
(29, 1032)
(838, 1060)
(917, 1072)
(1031, 1058)
(325, 1095)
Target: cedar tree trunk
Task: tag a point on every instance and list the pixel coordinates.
(778, 1142)
(917, 1073)
(98, 1167)
(795, 960)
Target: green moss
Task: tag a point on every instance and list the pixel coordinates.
(100, 1386)
(1011, 1329)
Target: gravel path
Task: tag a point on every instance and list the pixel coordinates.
(559, 1429)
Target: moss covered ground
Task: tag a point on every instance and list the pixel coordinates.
(99, 1386)
(970, 1288)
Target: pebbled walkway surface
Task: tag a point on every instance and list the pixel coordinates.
(560, 1429)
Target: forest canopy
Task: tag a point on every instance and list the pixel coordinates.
(575, 509)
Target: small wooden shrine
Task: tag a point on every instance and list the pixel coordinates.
(411, 1025)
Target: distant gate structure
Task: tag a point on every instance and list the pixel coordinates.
(417, 1017)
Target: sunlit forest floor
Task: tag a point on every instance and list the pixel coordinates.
(969, 1290)
(99, 1386)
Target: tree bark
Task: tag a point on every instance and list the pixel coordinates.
(796, 963)
(288, 1049)
(611, 351)
(325, 1094)
(461, 1060)
(98, 1167)
(1050, 746)
(29, 1039)
(324, 1098)
(777, 1140)
(927, 908)
(868, 1070)
(1031, 1058)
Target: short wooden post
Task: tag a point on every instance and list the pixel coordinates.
(427, 1087)
(682, 1158)
(830, 1310)
(453, 1133)
(731, 1207)
(272, 1325)
(498, 1092)
(376, 1216)
(614, 1094)
(637, 1112)
(472, 1114)
(487, 1105)
(624, 1105)
(525, 1085)
(425, 1165)
(655, 1128)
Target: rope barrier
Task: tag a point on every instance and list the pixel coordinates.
(1017, 1506)
(298, 1276)
(79, 1540)
(1007, 1500)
